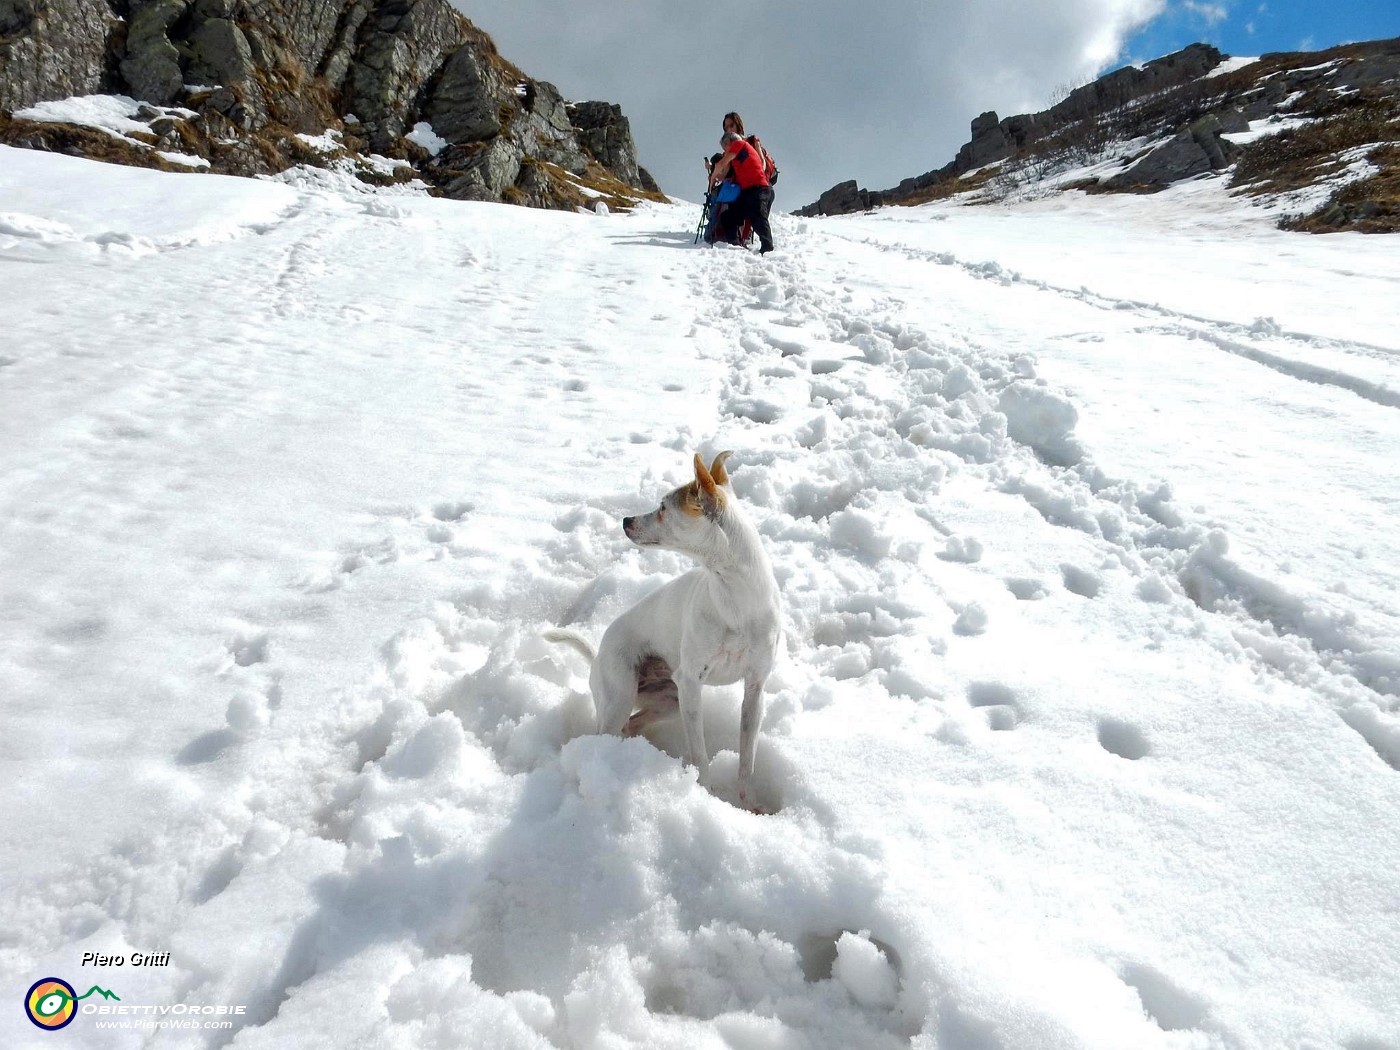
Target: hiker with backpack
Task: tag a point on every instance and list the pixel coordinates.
(755, 190)
(735, 123)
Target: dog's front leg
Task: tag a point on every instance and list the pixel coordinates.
(692, 720)
(750, 720)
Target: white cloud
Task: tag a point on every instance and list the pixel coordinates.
(876, 92)
(1212, 14)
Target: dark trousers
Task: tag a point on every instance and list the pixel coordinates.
(753, 205)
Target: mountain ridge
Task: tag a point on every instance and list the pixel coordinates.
(249, 87)
(1174, 118)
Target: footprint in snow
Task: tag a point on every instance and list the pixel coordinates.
(1026, 589)
(1123, 739)
(998, 704)
(452, 511)
(1081, 581)
(1170, 1008)
(249, 647)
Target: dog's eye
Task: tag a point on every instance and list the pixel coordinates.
(661, 512)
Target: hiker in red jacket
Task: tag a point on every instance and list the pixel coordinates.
(735, 123)
(755, 193)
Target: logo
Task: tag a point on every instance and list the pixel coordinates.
(51, 1003)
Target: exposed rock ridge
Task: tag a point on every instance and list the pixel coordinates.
(236, 82)
(1171, 100)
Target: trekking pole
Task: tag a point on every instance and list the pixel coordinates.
(704, 217)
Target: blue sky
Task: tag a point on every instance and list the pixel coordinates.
(1253, 27)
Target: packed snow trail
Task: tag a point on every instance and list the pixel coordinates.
(1076, 743)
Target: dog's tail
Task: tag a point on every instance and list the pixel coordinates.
(574, 639)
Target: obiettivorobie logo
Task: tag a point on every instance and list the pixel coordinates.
(52, 1003)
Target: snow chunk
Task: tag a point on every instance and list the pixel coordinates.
(424, 135)
(962, 548)
(858, 530)
(326, 142)
(971, 621)
(247, 713)
(865, 972)
(113, 113)
(1044, 420)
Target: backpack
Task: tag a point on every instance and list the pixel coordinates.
(770, 168)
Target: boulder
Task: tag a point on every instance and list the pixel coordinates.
(219, 53)
(606, 135)
(989, 142)
(401, 45)
(469, 99)
(842, 199)
(1195, 150)
(151, 64)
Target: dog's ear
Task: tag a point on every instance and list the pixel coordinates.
(711, 499)
(703, 478)
(717, 470)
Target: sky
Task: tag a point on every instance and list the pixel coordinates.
(875, 92)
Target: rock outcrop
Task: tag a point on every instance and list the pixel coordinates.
(52, 50)
(1194, 150)
(1177, 113)
(252, 87)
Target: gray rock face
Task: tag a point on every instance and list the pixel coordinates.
(842, 199)
(402, 43)
(50, 50)
(467, 103)
(255, 69)
(606, 134)
(1195, 150)
(151, 64)
(1169, 98)
(220, 54)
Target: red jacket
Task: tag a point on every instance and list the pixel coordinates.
(746, 165)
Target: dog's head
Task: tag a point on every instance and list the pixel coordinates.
(688, 518)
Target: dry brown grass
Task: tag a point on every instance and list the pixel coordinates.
(564, 188)
(1369, 205)
(948, 188)
(1292, 160)
(76, 141)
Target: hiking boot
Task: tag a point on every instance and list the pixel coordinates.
(765, 249)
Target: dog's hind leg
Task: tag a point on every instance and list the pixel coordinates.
(750, 720)
(614, 688)
(657, 698)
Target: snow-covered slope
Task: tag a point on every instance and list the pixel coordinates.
(1084, 513)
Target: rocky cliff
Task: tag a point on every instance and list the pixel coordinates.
(389, 89)
(1172, 119)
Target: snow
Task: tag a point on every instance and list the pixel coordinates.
(329, 141)
(1230, 65)
(113, 114)
(1085, 733)
(424, 135)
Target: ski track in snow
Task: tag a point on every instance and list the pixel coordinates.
(410, 839)
(1232, 337)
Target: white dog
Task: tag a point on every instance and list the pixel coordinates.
(715, 625)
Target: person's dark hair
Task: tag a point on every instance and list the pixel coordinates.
(738, 122)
